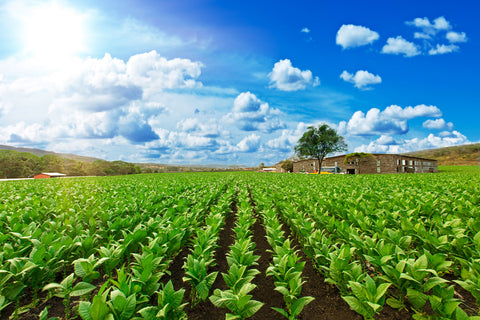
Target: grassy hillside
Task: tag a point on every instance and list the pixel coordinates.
(468, 154)
(40, 153)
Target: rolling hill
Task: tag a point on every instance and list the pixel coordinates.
(467, 154)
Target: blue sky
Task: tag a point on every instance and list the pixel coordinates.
(236, 82)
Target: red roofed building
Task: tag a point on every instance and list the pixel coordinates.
(44, 175)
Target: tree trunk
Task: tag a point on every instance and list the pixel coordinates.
(320, 160)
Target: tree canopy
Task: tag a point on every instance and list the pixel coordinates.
(318, 142)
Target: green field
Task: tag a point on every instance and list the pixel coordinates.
(150, 246)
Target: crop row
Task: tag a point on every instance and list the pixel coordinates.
(372, 248)
(104, 246)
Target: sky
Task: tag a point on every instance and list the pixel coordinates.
(236, 82)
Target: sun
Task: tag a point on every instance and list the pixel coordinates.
(53, 32)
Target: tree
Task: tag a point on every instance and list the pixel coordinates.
(317, 143)
(287, 165)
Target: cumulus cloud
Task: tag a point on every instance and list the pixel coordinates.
(455, 37)
(438, 124)
(392, 120)
(443, 49)
(362, 79)
(109, 83)
(429, 28)
(305, 30)
(250, 143)
(287, 140)
(386, 144)
(399, 45)
(409, 112)
(285, 77)
(434, 32)
(349, 36)
(209, 128)
(251, 114)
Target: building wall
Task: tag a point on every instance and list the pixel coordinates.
(373, 164)
(279, 167)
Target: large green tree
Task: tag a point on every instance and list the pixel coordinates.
(317, 142)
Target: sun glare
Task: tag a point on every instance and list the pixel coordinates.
(53, 32)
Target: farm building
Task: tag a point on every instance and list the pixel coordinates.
(44, 175)
(357, 163)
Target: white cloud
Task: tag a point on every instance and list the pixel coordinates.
(455, 37)
(438, 124)
(421, 35)
(287, 140)
(399, 45)
(109, 83)
(430, 33)
(208, 128)
(443, 49)
(250, 143)
(388, 145)
(251, 114)
(429, 28)
(392, 120)
(362, 79)
(305, 30)
(285, 77)
(409, 112)
(441, 24)
(349, 36)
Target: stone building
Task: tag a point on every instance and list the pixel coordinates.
(360, 163)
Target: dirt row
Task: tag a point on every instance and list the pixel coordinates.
(328, 303)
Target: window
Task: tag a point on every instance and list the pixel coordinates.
(378, 169)
(410, 163)
(398, 162)
(336, 164)
(378, 163)
(404, 162)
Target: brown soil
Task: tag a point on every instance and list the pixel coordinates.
(265, 287)
(205, 309)
(469, 303)
(328, 303)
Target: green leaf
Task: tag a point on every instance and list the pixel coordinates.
(374, 306)
(421, 262)
(82, 288)
(460, 314)
(418, 299)
(432, 282)
(450, 306)
(358, 290)
(355, 304)
(53, 285)
(99, 309)
(230, 316)
(395, 304)
(251, 307)
(282, 312)
(202, 290)
(148, 313)
(129, 308)
(476, 240)
(299, 304)
(84, 310)
(381, 290)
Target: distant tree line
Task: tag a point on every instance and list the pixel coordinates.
(15, 164)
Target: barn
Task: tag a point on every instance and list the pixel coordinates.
(45, 175)
(368, 163)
